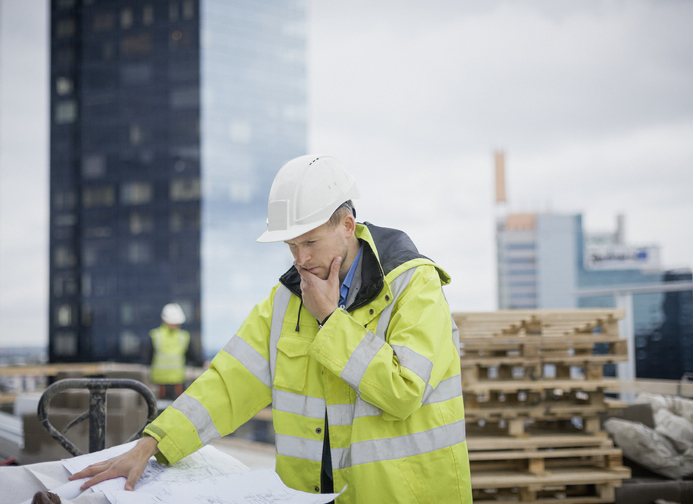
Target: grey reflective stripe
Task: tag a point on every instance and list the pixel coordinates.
(414, 361)
(364, 409)
(360, 358)
(198, 416)
(455, 330)
(340, 414)
(288, 402)
(341, 458)
(301, 448)
(397, 287)
(249, 358)
(410, 445)
(446, 390)
(279, 307)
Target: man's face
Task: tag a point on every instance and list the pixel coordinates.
(315, 250)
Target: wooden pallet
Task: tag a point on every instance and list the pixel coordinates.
(533, 369)
(574, 485)
(539, 322)
(543, 461)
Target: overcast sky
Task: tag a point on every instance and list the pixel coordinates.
(592, 101)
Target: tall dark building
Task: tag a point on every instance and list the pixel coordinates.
(169, 120)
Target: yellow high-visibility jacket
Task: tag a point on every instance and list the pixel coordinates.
(168, 361)
(386, 371)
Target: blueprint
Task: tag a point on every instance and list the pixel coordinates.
(207, 476)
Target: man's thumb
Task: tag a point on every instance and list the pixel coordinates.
(336, 264)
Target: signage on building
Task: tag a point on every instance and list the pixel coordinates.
(621, 257)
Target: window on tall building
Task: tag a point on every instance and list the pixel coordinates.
(102, 22)
(65, 219)
(147, 14)
(188, 9)
(185, 189)
(135, 193)
(136, 134)
(63, 200)
(138, 73)
(90, 255)
(139, 252)
(64, 256)
(65, 55)
(126, 18)
(136, 45)
(65, 343)
(63, 86)
(87, 315)
(64, 285)
(86, 284)
(94, 166)
(66, 4)
(65, 28)
(63, 316)
(141, 223)
(98, 196)
(127, 313)
(185, 98)
(65, 111)
(173, 11)
(129, 343)
(97, 232)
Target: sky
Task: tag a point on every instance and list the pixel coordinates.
(591, 101)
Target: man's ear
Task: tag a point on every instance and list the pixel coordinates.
(349, 224)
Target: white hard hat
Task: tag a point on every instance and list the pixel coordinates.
(173, 314)
(304, 194)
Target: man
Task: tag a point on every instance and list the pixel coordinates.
(167, 353)
(355, 349)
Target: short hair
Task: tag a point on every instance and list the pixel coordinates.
(344, 209)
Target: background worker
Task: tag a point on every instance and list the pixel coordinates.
(355, 349)
(168, 352)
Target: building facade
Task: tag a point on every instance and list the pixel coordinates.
(169, 120)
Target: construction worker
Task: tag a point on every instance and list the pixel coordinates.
(355, 349)
(167, 352)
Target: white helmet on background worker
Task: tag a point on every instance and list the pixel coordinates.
(173, 314)
(305, 193)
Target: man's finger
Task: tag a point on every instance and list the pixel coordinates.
(334, 269)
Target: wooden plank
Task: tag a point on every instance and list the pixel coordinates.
(537, 442)
(541, 385)
(563, 476)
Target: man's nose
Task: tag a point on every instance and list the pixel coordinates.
(302, 256)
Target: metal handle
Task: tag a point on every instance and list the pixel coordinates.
(97, 409)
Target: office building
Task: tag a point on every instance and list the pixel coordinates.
(169, 119)
(547, 260)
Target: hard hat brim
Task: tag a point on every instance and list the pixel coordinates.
(280, 235)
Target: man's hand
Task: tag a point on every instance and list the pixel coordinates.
(320, 297)
(129, 465)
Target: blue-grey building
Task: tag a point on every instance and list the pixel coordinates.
(169, 119)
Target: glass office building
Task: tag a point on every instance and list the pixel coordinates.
(169, 120)
(544, 260)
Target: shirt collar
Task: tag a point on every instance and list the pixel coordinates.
(346, 284)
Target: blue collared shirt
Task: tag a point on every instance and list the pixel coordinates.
(346, 284)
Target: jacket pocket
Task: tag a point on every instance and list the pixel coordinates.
(416, 481)
(292, 363)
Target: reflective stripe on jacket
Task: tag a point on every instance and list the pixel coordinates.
(168, 362)
(386, 370)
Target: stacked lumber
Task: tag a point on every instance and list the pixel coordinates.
(534, 391)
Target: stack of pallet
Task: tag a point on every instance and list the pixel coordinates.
(534, 391)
